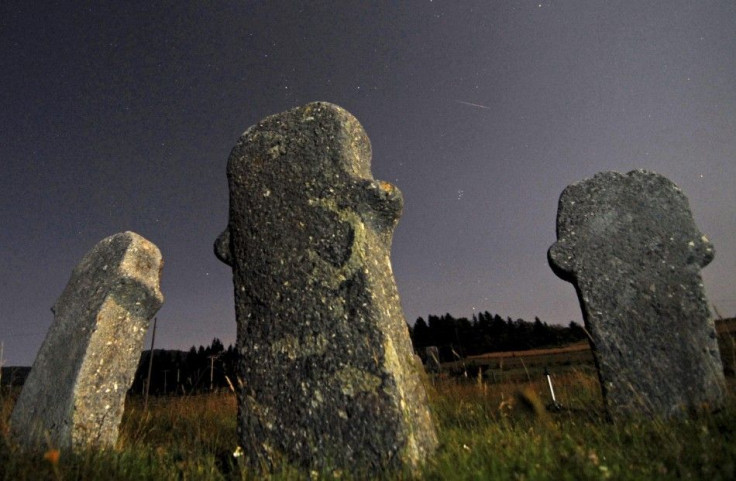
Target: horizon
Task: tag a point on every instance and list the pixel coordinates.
(122, 117)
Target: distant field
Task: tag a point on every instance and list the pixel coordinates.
(514, 366)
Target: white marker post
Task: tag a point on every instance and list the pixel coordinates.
(554, 406)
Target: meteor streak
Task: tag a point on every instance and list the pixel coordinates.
(473, 105)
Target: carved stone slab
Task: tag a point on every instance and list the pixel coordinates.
(328, 376)
(630, 246)
(75, 393)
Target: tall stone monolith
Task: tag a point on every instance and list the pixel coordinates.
(631, 248)
(327, 375)
(75, 393)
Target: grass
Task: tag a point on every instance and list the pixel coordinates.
(487, 431)
(497, 435)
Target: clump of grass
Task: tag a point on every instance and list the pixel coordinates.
(177, 438)
(209, 419)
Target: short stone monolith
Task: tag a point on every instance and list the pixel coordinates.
(75, 393)
(629, 244)
(327, 376)
(433, 358)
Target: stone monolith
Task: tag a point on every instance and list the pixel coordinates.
(327, 375)
(631, 248)
(433, 358)
(75, 393)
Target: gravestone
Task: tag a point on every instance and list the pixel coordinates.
(631, 248)
(327, 375)
(433, 358)
(75, 393)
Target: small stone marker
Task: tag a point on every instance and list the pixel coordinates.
(631, 248)
(328, 379)
(75, 393)
(433, 358)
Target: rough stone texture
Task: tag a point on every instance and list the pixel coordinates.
(75, 393)
(631, 248)
(327, 375)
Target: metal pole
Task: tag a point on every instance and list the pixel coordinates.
(150, 366)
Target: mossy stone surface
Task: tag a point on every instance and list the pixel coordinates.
(327, 374)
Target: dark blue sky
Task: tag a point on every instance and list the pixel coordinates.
(121, 115)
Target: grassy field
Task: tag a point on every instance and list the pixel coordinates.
(488, 430)
(520, 366)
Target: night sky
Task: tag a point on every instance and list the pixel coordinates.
(120, 116)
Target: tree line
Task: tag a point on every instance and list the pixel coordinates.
(199, 370)
(214, 367)
(460, 337)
